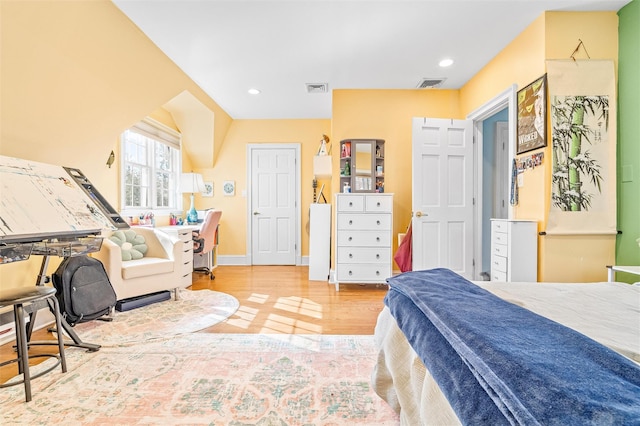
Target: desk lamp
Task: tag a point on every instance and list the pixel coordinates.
(192, 182)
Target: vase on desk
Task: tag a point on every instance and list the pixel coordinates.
(192, 214)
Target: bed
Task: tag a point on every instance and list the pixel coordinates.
(455, 352)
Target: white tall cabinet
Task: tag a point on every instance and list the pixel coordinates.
(364, 226)
(514, 250)
(319, 242)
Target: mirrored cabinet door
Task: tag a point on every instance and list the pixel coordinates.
(362, 165)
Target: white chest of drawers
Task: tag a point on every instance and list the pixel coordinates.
(364, 224)
(514, 250)
(185, 235)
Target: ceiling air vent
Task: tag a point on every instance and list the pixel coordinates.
(430, 83)
(317, 87)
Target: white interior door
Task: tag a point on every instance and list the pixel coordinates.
(273, 207)
(442, 195)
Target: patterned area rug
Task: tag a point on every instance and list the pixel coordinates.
(213, 379)
(193, 311)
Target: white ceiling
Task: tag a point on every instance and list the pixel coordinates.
(277, 47)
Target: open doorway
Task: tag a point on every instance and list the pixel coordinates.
(495, 198)
(494, 131)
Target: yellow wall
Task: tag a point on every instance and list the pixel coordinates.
(74, 75)
(574, 258)
(387, 114)
(520, 62)
(554, 35)
(232, 165)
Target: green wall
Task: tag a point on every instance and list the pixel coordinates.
(627, 250)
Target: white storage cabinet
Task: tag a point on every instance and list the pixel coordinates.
(186, 263)
(319, 242)
(514, 250)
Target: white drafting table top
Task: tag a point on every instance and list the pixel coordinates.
(39, 199)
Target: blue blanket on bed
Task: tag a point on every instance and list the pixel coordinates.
(498, 363)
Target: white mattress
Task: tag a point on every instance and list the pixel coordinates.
(607, 312)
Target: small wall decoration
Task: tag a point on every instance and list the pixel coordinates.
(208, 191)
(530, 161)
(532, 116)
(229, 187)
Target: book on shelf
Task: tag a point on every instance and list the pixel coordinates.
(346, 150)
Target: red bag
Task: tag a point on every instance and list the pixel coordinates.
(403, 256)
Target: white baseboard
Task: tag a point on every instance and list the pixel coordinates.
(232, 260)
(244, 260)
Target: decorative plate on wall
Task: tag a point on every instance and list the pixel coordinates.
(229, 187)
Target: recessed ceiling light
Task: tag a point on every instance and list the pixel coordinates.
(446, 63)
(253, 91)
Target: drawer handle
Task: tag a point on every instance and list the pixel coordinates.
(378, 256)
(350, 255)
(350, 238)
(378, 204)
(378, 222)
(377, 272)
(350, 222)
(350, 204)
(378, 239)
(350, 273)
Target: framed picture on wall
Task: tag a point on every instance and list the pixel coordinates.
(532, 116)
(208, 189)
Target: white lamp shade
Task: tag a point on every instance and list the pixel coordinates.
(192, 182)
(322, 166)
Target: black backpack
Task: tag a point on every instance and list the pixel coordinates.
(83, 289)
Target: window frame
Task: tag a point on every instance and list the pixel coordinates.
(154, 133)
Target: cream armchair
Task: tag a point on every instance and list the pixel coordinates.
(156, 271)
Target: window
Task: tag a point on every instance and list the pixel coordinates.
(150, 155)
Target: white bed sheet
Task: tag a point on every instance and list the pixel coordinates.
(607, 312)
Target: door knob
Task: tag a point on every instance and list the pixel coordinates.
(419, 214)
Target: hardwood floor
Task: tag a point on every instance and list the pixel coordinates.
(281, 299)
(274, 299)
